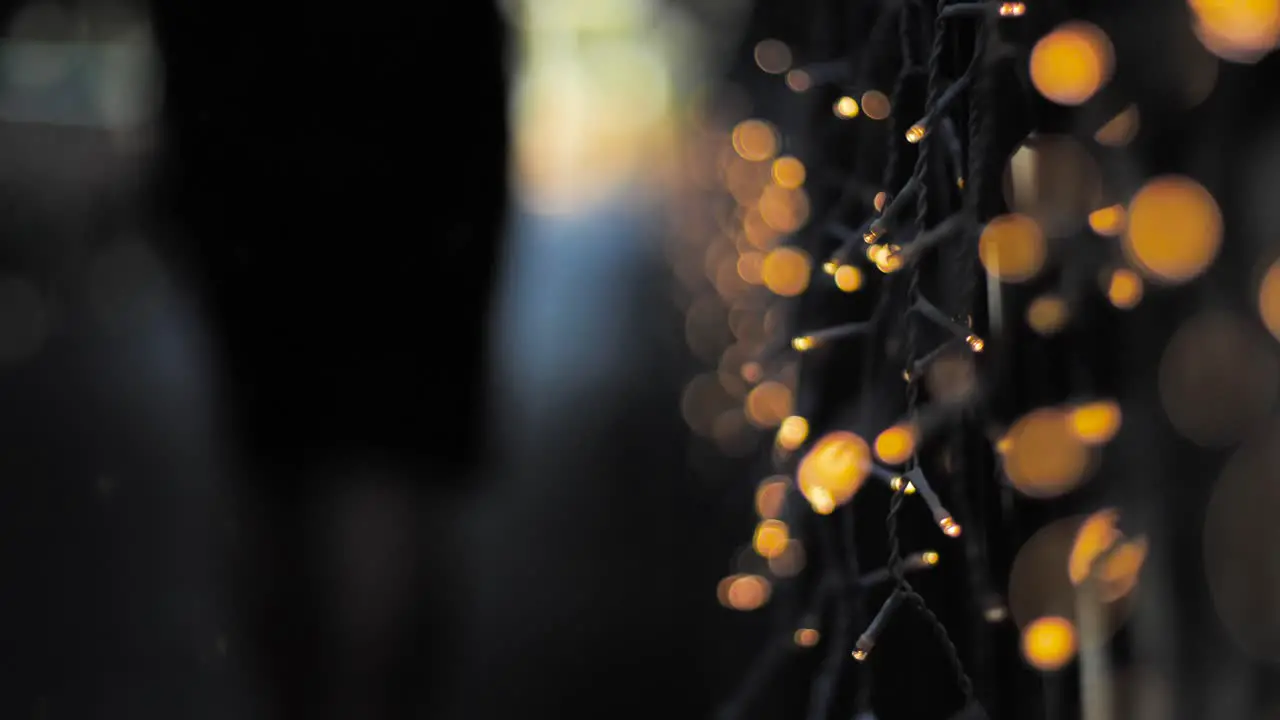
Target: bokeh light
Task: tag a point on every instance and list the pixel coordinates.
(744, 592)
(1269, 300)
(788, 172)
(1055, 180)
(1108, 221)
(1095, 423)
(845, 107)
(1237, 30)
(792, 432)
(833, 470)
(1218, 378)
(773, 56)
(848, 278)
(1047, 314)
(896, 445)
(768, 403)
(1071, 63)
(786, 271)
(1012, 248)
(770, 496)
(876, 105)
(1123, 288)
(1117, 574)
(755, 140)
(1175, 229)
(1049, 643)
(1121, 129)
(1240, 534)
(770, 538)
(1045, 458)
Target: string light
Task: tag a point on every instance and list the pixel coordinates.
(867, 640)
(814, 339)
(984, 9)
(927, 309)
(920, 129)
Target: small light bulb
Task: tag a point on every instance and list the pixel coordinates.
(1012, 9)
(960, 183)
(916, 133)
(807, 637)
(906, 375)
(897, 484)
(870, 236)
(975, 343)
(859, 654)
(802, 343)
(930, 558)
(879, 200)
(949, 526)
(830, 267)
(846, 107)
(889, 261)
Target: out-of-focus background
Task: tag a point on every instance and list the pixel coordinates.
(582, 555)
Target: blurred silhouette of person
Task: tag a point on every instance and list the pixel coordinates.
(337, 176)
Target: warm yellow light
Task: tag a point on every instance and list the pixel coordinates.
(950, 527)
(1012, 248)
(870, 236)
(929, 558)
(770, 538)
(1047, 314)
(1045, 458)
(1269, 299)
(802, 343)
(770, 497)
(916, 133)
(1049, 643)
(975, 343)
(1124, 288)
(846, 107)
(1237, 30)
(885, 257)
(1117, 575)
(896, 445)
(792, 432)
(1096, 423)
(1120, 129)
(768, 403)
(876, 105)
(1012, 9)
(859, 654)
(1108, 221)
(743, 592)
(833, 470)
(807, 637)
(1072, 63)
(785, 271)
(788, 172)
(783, 209)
(879, 201)
(848, 278)
(1004, 445)
(830, 267)
(755, 140)
(1175, 229)
(897, 484)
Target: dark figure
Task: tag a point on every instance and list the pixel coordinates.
(339, 177)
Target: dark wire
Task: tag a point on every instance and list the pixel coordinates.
(922, 217)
